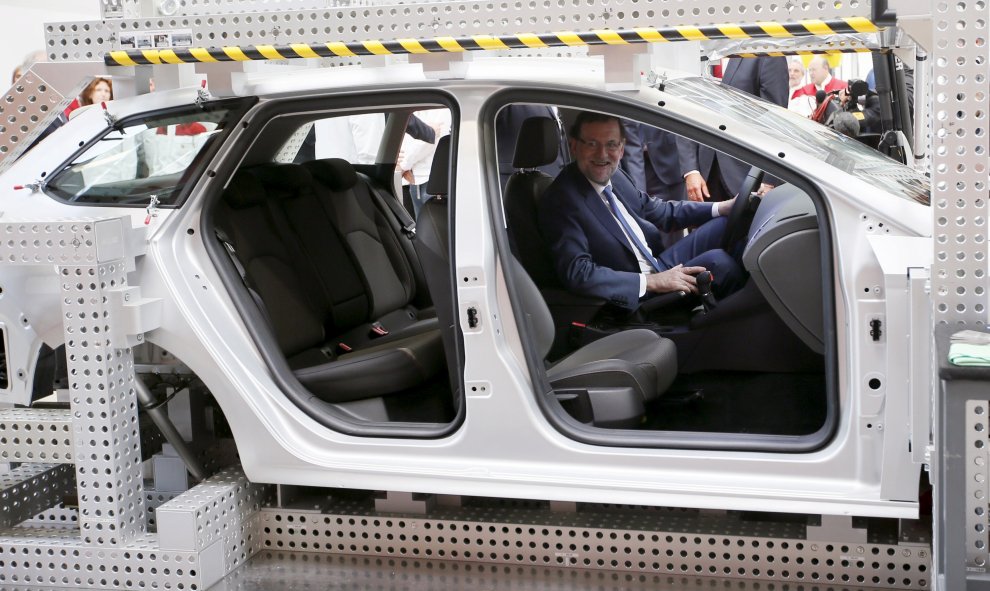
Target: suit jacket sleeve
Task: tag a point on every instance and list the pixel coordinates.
(687, 152)
(632, 161)
(773, 80)
(419, 130)
(561, 220)
(666, 215)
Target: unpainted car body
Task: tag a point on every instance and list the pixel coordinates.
(506, 436)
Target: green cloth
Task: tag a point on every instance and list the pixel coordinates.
(968, 355)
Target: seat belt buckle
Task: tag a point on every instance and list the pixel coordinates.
(344, 347)
(409, 230)
(377, 330)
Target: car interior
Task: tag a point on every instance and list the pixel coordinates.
(363, 309)
(751, 363)
(338, 281)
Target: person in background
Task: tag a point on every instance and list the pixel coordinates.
(821, 78)
(798, 102)
(29, 60)
(714, 176)
(416, 155)
(99, 90)
(652, 163)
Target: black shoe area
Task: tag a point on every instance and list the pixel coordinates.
(744, 402)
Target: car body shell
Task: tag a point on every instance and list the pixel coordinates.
(505, 446)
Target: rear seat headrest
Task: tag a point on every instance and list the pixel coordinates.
(439, 181)
(537, 144)
(335, 173)
(244, 190)
(284, 176)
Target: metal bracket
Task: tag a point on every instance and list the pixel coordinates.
(135, 315)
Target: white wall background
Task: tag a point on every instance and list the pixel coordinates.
(22, 28)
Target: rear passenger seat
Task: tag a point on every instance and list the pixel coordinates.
(329, 299)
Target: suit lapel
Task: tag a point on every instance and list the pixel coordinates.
(730, 71)
(601, 211)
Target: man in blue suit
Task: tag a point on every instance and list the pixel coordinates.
(604, 233)
(713, 175)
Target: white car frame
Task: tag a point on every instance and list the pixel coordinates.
(505, 443)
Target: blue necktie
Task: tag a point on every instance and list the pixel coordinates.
(614, 206)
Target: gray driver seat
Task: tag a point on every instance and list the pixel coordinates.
(609, 381)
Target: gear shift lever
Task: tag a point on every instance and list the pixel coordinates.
(704, 280)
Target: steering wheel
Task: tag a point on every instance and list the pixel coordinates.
(737, 226)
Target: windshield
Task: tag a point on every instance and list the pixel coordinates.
(842, 152)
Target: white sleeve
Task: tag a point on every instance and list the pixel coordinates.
(367, 131)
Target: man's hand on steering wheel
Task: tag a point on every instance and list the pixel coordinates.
(725, 207)
(679, 278)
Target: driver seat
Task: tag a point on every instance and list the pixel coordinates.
(608, 382)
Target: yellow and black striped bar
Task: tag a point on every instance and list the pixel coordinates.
(757, 30)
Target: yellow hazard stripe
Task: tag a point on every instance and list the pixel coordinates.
(756, 30)
(651, 35)
(236, 54)
(862, 25)
(202, 54)
(489, 43)
(532, 41)
(412, 46)
(611, 38)
(692, 33)
(376, 48)
(341, 49)
(450, 44)
(270, 52)
(121, 58)
(818, 27)
(732, 31)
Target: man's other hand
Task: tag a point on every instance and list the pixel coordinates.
(679, 278)
(697, 189)
(725, 207)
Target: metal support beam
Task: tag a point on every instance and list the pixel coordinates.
(35, 435)
(31, 489)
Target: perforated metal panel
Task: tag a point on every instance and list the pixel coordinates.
(75, 41)
(57, 558)
(104, 407)
(35, 435)
(960, 159)
(977, 421)
(209, 512)
(25, 111)
(765, 553)
(31, 488)
(89, 256)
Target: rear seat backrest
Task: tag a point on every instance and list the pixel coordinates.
(267, 265)
(253, 221)
(367, 233)
(326, 263)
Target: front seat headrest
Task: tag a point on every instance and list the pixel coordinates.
(439, 182)
(538, 143)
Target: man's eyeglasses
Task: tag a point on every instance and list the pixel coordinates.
(595, 145)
